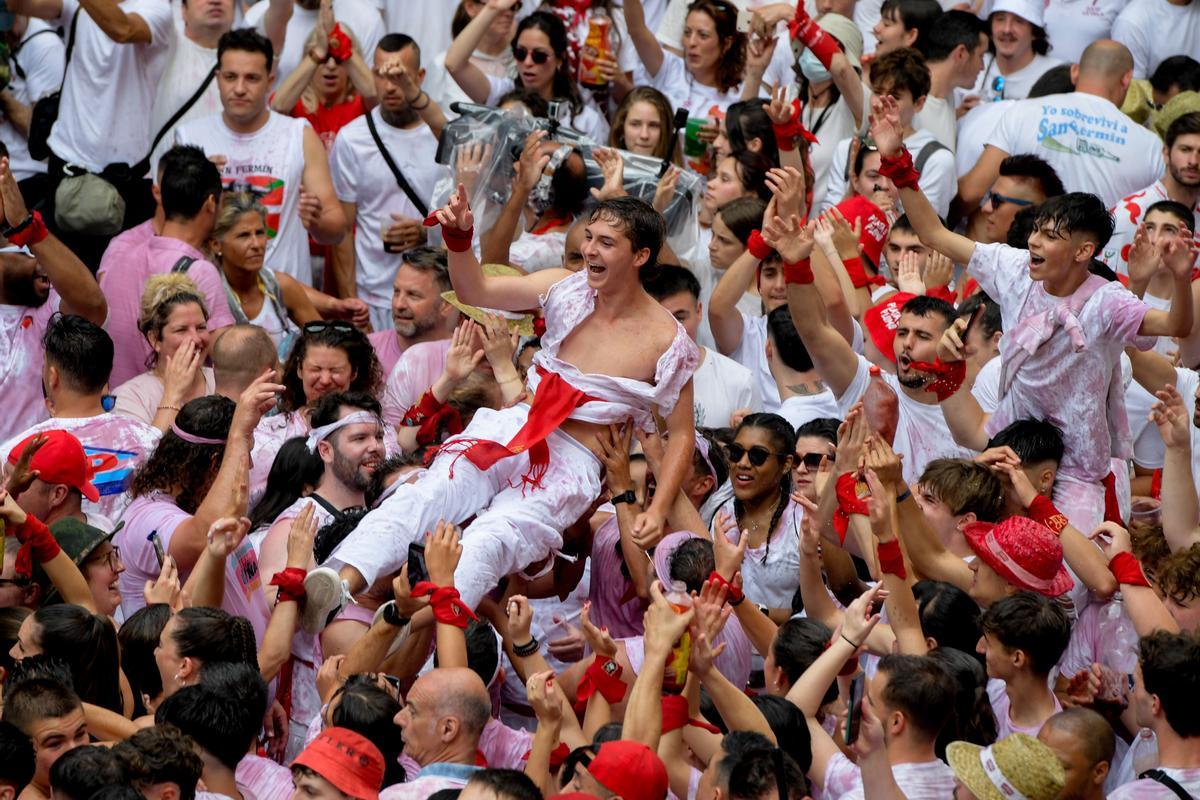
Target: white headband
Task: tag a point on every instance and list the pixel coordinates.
(12, 248)
(998, 779)
(322, 433)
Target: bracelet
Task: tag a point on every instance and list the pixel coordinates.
(32, 230)
(527, 649)
(800, 272)
(411, 103)
(172, 408)
(9, 230)
(1042, 510)
(900, 498)
(852, 644)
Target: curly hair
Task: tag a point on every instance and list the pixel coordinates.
(367, 373)
(1178, 575)
(162, 295)
(186, 470)
(734, 44)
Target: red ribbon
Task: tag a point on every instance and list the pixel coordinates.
(901, 170)
(339, 44)
(1127, 570)
(446, 605)
(1042, 510)
(33, 233)
(800, 272)
(891, 559)
(734, 594)
(788, 132)
(36, 543)
(758, 246)
(1112, 506)
(948, 377)
(848, 503)
(291, 584)
(675, 715)
(599, 679)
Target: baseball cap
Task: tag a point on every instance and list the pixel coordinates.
(347, 760)
(1023, 552)
(60, 460)
(1032, 11)
(78, 540)
(1016, 766)
(631, 770)
(874, 225)
(881, 321)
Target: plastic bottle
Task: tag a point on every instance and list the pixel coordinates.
(1118, 636)
(597, 45)
(881, 406)
(1145, 751)
(675, 675)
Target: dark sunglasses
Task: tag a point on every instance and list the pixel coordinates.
(758, 454)
(998, 86)
(810, 460)
(998, 200)
(341, 326)
(521, 53)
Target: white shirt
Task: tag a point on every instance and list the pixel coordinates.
(361, 176)
(1091, 145)
(938, 117)
(927, 780)
(681, 88)
(589, 121)
(998, 695)
(721, 386)
(938, 179)
(1156, 29)
(1186, 382)
(1147, 789)
(188, 65)
(430, 26)
(442, 87)
(104, 114)
(269, 163)
(831, 129)
(751, 353)
(1072, 25)
(1016, 83)
(1127, 215)
(803, 409)
(974, 129)
(40, 58)
(361, 16)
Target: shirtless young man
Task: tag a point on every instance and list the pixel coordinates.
(610, 353)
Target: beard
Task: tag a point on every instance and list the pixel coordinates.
(1177, 175)
(349, 472)
(415, 326)
(912, 380)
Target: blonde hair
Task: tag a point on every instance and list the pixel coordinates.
(160, 297)
(233, 206)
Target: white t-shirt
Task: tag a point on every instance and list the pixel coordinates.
(430, 26)
(1186, 382)
(938, 117)
(1148, 448)
(21, 359)
(361, 16)
(1147, 789)
(752, 354)
(1127, 215)
(681, 88)
(927, 780)
(270, 164)
(831, 125)
(721, 386)
(444, 90)
(104, 114)
(771, 571)
(40, 61)
(1091, 145)
(1016, 84)
(188, 65)
(974, 129)
(534, 252)
(1072, 25)
(1156, 29)
(938, 179)
(802, 409)
(361, 176)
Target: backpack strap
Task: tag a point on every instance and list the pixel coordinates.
(1166, 780)
(401, 181)
(927, 150)
(183, 264)
(13, 56)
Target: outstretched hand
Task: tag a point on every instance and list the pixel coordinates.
(457, 211)
(792, 239)
(1171, 417)
(886, 129)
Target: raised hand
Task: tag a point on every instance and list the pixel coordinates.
(226, 534)
(779, 109)
(598, 639)
(462, 358)
(858, 622)
(664, 192)
(612, 166)
(939, 270)
(1171, 417)
(164, 589)
(846, 238)
(1144, 257)
(21, 477)
(663, 624)
(729, 555)
(951, 346)
(13, 203)
(406, 604)
(852, 439)
(457, 211)
(791, 239)
(180, 372)
(787, 184)
(258, 398)
(520, 619)
(545, 697)
(300, 537)
(442, 553)
(614, 455)
(886, 129)
(532, 162)
(1178, 254)
(469, 158)
(908, 274)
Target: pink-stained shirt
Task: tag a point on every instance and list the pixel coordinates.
(998, 695)
(140, 396)
(387, 348)
(433, 778)
(416, 370)
(122, 283)
(21, 359)
(1147, 789)
(263, 779)
(115, 444)
(1056, 383)
(504, 747)
(609, 585)
(771, 572)
(157, 512)
(926, 780)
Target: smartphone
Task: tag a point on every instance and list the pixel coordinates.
(156, 542)
(975, 315)
(854, 709)
(744, 20)
(416, 564)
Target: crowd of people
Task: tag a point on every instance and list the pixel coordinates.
(505, 400)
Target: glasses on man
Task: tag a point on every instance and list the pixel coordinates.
(757, 454)
(521, 53)
(997, 200)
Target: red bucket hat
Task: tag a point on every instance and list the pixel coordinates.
(874, 225)
(348, 760)
(1023, 552)
(881, 321)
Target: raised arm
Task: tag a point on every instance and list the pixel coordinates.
(117, 25)
(275, 21)
(643, 710)
(276, 645)
(828, 51)
(494, 244)
(650, 525)
(458, 58)
(886, 130)
(723, 315)
(325, 222)
(316, 52)
(1182, 512)
(644, 40)
(964, 416)
(1178, 256)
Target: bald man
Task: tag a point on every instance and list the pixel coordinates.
(443, 716)
(239, 355)
(1084, 742)
(1082, 134)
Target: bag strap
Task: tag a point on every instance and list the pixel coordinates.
(70, 47)
(328, 506)
(926, 151)
(183, 264)
(142, 166)
(21, 46)
(422, 208)
(1166, 780)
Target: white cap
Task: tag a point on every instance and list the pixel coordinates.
(1032, 11)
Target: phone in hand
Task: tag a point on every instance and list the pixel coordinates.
(854, 710)
(156, 543)
(416, 564)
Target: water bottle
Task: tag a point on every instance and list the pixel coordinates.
(675, 676)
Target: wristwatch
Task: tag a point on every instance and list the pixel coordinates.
(391, 615)
(625, 497)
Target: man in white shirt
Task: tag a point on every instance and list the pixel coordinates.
(1179, 182)
(279, 159)
(361, 16)
(720, 385)
(384, 219)
(1092, 146)
(954, 54)
(1155, 29)
(1023, 181)
(37, 69)
(1019, 37)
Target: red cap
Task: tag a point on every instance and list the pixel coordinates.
(60, 460)
(881, 321)
(347, 760)
(874, 225)
(631, 770)
(1023, 552)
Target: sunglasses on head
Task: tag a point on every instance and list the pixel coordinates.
(341, 326)
(521, 53)
(758, 454)
(810, 460)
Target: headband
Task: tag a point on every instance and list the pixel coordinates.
(702, 446)
(322, 433)
(997, 777)
(193, 438)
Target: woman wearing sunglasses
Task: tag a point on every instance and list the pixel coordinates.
(541, 53)
(760, 469)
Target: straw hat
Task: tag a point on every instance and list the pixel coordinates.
(1176, 107)
(521, 323)
(1016, 766)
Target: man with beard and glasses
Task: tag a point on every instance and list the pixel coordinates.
(36, 281)
(1180, 182)
(385, 219)
(419, 314)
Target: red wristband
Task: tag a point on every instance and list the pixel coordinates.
(603, 675)
(788, 132)
(804, 28)
(675, 715)
(891, 558)
(37, 542)
(31, 234)
(734, 594)
(291, 584)
(446, 605)
(858, 274)
(849, 503)
(338, 44)
(901, 170)
(1127, 570)
(758, 246)
(457, 240)
(1042, 510)
(801, 272)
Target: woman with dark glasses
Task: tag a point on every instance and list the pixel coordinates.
(760, 469)
(815, 440)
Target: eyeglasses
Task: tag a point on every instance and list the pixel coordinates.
(758, 454)
(810, 460)
(341, 326)
(998, 200)
(112, 558)
(521, 53)
(998, 87)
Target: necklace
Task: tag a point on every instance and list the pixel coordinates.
(755, 525)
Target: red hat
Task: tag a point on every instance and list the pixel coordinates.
(60, 460)
(1023, 552)
(882, 319)
(347, 760)
(874, 225)
(631, 770)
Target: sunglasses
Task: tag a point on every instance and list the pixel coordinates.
(521, 53)
(810, 460)
(757, 454)
(998, 87)
(341, 326)
(998, 200)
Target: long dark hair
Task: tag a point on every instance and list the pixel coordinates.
(564, 81)
(87, 643)
(183, 469)
(367, 709)
(138, 638)
(645, 94)
(368, 375)
(783, 437)
(748, 119)
(973, 720)
(294, 471)
(210, 634)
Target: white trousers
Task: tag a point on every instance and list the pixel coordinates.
(514, 526)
